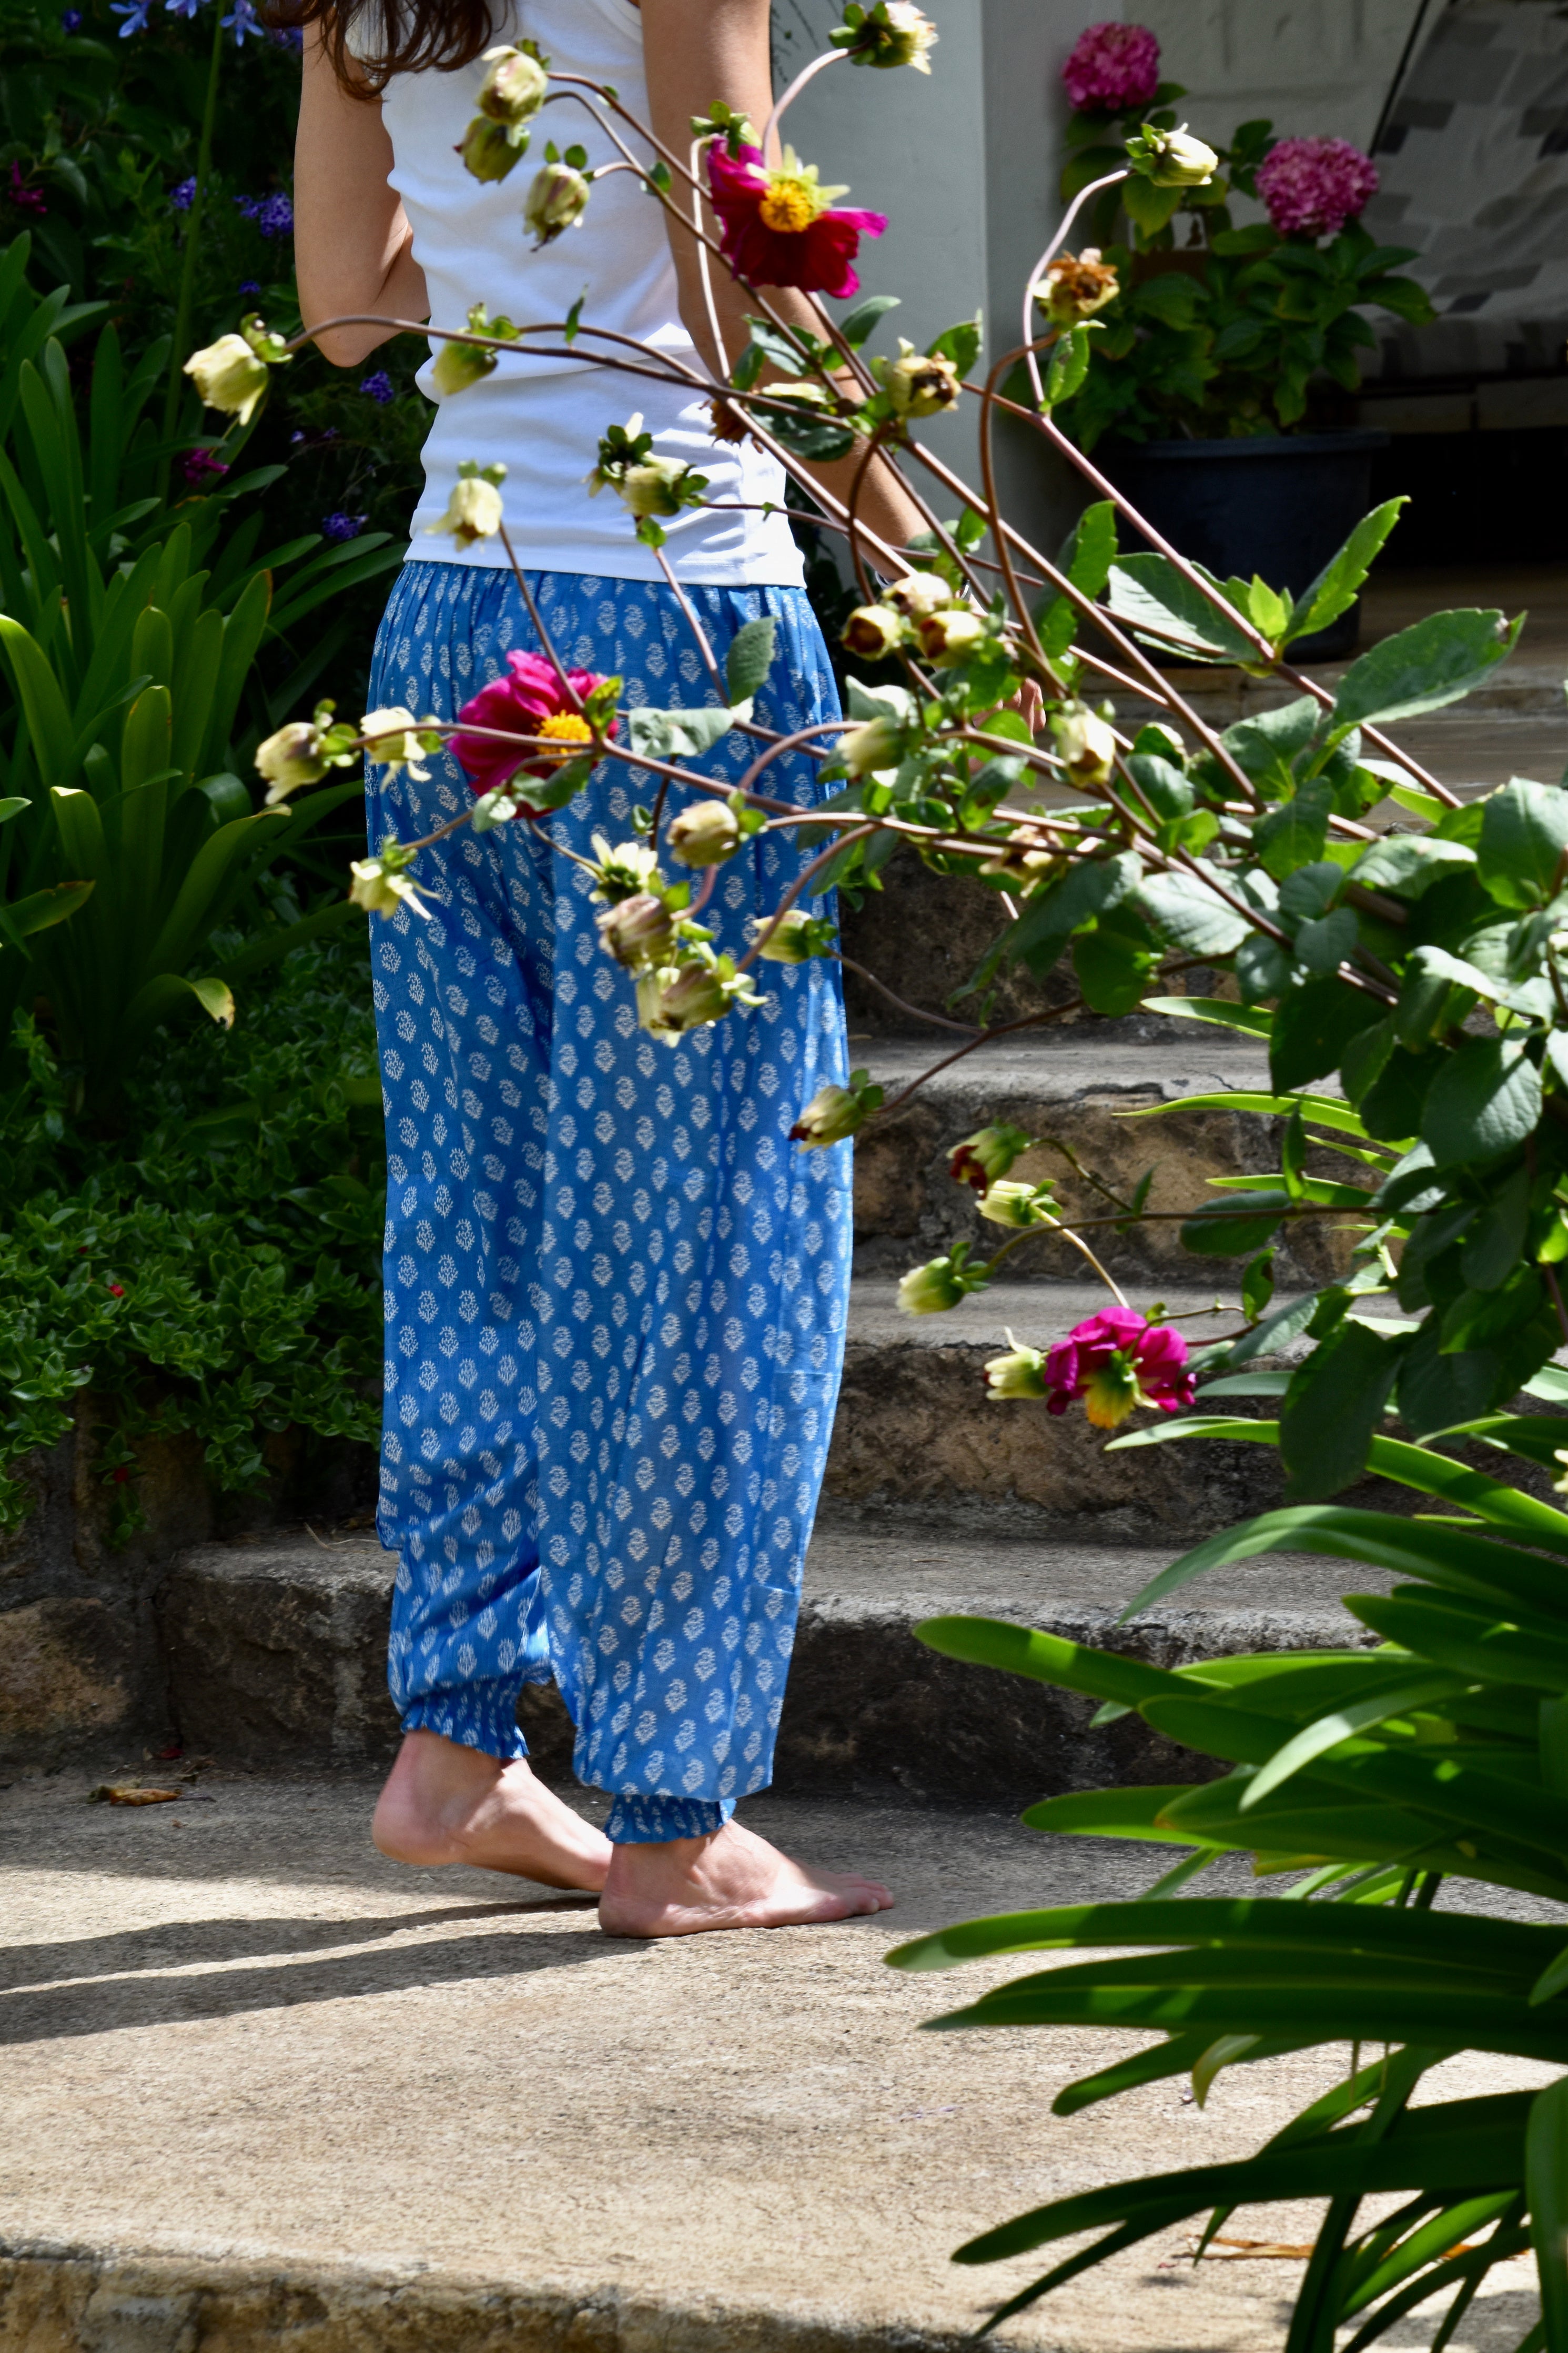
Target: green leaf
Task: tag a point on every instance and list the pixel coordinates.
(1485, 1101)
(1266, 748)
(1312, 1025)
(1087, 559)
(1546, 2183)
(1523, 843)
(857, 326)
(1150, 595)
(1240, 1223)
(1248, 1018)
(1338, 584)
(1044, 1658)
(1433, 662)
(750, 659)
(1190, 915)
(1091, 887)
(1293, 834)
(680, 734)
(1402, 1695)
(1334, 1407)
(1409, 863)
(961, 344)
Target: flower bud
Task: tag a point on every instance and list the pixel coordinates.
(381, 886)
(987, 1155)
(1172, 159)
(391, 742)
(795, 937)
(1020, 1373)
(669, 1003)
(557, 200)
(706, 834)
(918, 385)
(514, 90)
(473, 512)
(455, 367)
(951, 637)
(639, 930)
(920, 592)
(940, 1283)
(872, 631)
(1086, 744)
(293, 757)
(1009, 1203)
(877, 744)
(654, 487)
(1073, 290)
(488, 150)
(628, 870)
(229, 376)
(834, 1112)
(893, 33)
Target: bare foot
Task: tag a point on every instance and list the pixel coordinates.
(444, 1803)
(731, 1879)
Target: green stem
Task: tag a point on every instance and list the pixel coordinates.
(179, 354)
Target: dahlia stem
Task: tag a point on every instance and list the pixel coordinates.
(1111, 180)
(806, 73)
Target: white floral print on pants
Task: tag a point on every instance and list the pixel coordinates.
(615, 1291)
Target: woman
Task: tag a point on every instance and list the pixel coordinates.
(615, 1291)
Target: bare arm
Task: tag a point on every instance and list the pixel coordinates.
(696, 52)
(352, 244)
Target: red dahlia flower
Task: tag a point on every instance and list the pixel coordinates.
(1117, 1362)
(778, 227)
(532, 702)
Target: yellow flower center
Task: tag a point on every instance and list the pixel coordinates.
(565, 727)
(790, 204)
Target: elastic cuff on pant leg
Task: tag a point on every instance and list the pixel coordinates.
(651, 1820)
(482, 1715)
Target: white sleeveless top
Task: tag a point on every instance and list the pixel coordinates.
(543, 417)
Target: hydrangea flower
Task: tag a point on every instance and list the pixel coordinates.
(1117, 1361)
(378, 387)
(338, 525)
(530, 701)
(1312, 186)
(779, 227)
(1113, 69)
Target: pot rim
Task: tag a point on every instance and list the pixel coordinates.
(1354, 441)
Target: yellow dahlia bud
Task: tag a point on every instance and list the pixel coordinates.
(872, 631)
(795, 937)
(489, 150)
(877, 744)
(918, 385)
(705, 834)
(987, 1155)
(1020, 1373)
(1172, 159)
(393, 741)
(381, 886)
(514, 90)
(639, 930)
(655, 487)
(920, 592)
(893, 33)
(1009, 1203)
(951, 637)
(834, 1112)
(557, 200)
(229, 376)
(940, 1283)
(1073, 289)
(474, 511)
(1086, 744)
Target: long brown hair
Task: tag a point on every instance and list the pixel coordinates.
(393, 37)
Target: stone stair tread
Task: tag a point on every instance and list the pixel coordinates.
(316, 2098)
(1058, 1065)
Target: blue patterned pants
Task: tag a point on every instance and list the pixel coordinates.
(615, 1291)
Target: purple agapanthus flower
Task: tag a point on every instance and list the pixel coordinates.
(71, 21)
(275, 217)
(250, 286)
(249, 205)
(185, 8)
(243, 20)
(342, 526)
(288, 37)
(182, 195)
(135, 13)
(378, 387)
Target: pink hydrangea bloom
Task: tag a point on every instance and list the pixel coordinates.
(1312, 186)
(1115, 1362)
(1112, 68)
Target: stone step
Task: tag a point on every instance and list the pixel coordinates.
(268, 2092)
(1082, 1096)
(277, 1650)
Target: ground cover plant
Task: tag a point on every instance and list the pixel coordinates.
(1400, 956)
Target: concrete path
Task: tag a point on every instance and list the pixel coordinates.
(265, 2089)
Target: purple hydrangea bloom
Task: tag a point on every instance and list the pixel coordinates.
(342, 526)
(275, 217)
(71, 21)
(378, 387)
(135, 13)
(1113, 69)
(182, 195)
(1312, 186)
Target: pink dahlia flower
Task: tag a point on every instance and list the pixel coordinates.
(1312, 186)
(779, 227)
(1117, 1362)
(1113, 69)
(532, 702)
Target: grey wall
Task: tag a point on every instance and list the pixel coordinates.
(1314, 67)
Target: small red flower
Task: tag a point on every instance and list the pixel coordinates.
(779, 229)
(121, 1476)
(1117, 1362)
(117, 1290)
(532, 702)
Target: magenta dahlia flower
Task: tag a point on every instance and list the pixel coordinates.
(1312, 186)
(1115, 1362)
(778, 228)
(1113, 69)
(532, 702)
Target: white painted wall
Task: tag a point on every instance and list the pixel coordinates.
(1313, 66)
